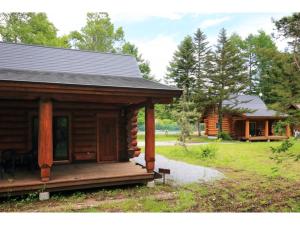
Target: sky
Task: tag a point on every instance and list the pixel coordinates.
(158, 26)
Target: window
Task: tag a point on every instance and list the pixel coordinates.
(217, 125)
(60, 137)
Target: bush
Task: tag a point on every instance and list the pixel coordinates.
(224, 136)
(208, 151)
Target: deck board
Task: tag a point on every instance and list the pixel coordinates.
(78, 175)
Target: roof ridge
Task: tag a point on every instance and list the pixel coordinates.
(61, 48)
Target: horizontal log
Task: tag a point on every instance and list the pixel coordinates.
(82, 144)
(83, 137)
(83, 125)
(84, 149)
(13, 139)
(13, 131)
(88, 119)
(78, 131)
(15, 146)
(5, 112)
(13, 125)
(85, 156)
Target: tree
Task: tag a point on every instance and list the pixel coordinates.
(30, 28)
(282, 81)
(289, 28)
(185, 114)
(131, 49)
(227, 76)
(202, 49)
(181, 70)
(99, 34)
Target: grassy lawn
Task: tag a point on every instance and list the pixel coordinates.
(174, 137)
(251, 157)
(251, 185)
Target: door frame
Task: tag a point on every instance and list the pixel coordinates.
(103, 115)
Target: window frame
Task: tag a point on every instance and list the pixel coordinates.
(55, 114)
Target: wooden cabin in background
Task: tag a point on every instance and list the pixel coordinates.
(72, 115)
(256, 124)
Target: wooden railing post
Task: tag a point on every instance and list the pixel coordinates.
(247, 129)
(288, 131)
(267, 129)
(150, 137)
(45, 152)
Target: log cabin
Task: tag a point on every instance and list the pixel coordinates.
(256, 123)
(75, 114)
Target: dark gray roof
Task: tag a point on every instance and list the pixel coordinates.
(80, 79)
(40, 58)
(254, 103)
(37, 64)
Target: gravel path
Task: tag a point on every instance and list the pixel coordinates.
(181, 172)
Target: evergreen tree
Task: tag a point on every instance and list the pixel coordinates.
(181, 70)
(185, 114)
(289, 28)
(202, 50)
(227, 75)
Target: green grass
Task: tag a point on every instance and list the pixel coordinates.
(253, 157)
(174, 137)
(250, 186)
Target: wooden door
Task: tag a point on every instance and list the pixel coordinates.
(107, 139)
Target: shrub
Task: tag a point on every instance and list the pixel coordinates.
(224, 136)
(208, 151)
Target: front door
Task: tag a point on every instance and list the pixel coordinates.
(107, 139)
(252, 128)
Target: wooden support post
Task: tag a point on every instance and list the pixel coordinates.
(150, 137)
(288, 131)
(45, 152)
(267, 129)
(247, 129)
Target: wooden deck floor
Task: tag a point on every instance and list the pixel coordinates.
(77, 176)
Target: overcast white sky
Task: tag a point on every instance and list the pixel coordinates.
(158, 26)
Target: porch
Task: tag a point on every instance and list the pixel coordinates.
(259, 129)
(76, 176)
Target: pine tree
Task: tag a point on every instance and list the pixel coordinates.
(227, 76)
(185, 114)
(181, 70)
(202, 50)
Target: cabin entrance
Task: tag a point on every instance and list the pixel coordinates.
(107, 139)
(253, 128)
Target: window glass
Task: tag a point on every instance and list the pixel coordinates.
(60, 137)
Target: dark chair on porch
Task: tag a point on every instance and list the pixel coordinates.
(27, 159)
(8, 162)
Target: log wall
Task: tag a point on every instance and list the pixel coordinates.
(16, 127)
(211, 121)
